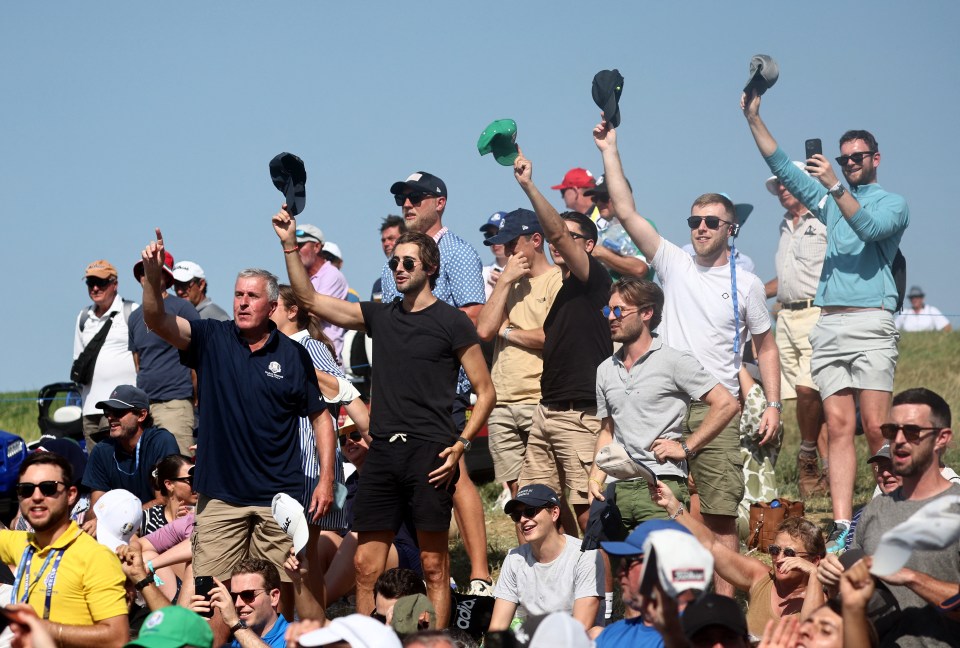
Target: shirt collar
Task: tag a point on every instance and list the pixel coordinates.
(65, 540)
(655, 344)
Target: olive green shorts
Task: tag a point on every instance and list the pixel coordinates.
(717, 469)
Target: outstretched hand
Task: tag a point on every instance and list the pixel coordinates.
(604, 135)
(285, 225)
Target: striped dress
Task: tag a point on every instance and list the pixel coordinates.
(335, 520)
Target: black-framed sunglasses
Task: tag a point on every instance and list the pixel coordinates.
(713, 222)
(911, 432)
(856, 157)
(528, 512)
(110, 412)
(353, 436)
(248, 596)
(97, 282)
(415, 198)
(409, 263)
(47, 488)
(188, 480)
(788, 552)
(184, 285)
(627, 562)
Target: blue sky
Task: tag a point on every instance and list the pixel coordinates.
(119, 117)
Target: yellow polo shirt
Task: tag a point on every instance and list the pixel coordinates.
(89, 584)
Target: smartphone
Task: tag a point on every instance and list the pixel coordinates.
(202, 586)
(814, 147)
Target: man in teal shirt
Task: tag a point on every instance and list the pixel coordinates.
(855, 341)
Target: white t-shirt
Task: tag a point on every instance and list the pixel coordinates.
(114, 362)
(542, 588)
(698, 311)
(928, 319)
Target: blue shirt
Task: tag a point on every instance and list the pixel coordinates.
(111, 467)
(274, 638)
(161, 375)
(629, 633)
(860, 250)
(248, 446)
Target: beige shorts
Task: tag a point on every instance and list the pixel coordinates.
(225, 534)
(509, 428)
(560, 451)
(717, 469)
(177, 417)
(854, 350)
(793, 341)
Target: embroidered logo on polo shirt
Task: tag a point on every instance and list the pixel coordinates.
(273, 370)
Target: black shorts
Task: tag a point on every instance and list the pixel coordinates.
(395, 480)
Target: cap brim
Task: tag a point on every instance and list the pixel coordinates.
(514, 503)
(501, 238)
(109, 540)
(506, 154)
(621, 548)
(115, 404)
(320, 637)
(773, 185)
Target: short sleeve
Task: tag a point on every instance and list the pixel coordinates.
(588, 580)
(506, 587)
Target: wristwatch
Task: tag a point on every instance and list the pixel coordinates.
(239, 625)
(142, 584)
(506, 332)
(837, 190)
(466, 443)
(777, 405)
(687, 451)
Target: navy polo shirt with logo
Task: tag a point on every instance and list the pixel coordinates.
(248, 448)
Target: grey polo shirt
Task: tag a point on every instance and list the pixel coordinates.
(800, 254)
(650, 401)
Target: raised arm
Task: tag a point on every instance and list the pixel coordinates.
(336, 311)
(575, 256)
(171, 328)
(621, 199)
(751, 110)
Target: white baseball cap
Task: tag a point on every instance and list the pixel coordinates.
(186, 271)
(332, 249)
(358, 630)
(773, 182)
(678, 561)
(289, 514)
(119, 513)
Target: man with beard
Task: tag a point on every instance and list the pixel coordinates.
(651, 428)
(420, 343)
(855, 340)
(79, 595)
(918, 431)
(710, 306)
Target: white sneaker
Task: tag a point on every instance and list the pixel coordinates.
(480, 587)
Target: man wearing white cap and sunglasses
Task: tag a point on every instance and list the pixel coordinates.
(190, 283)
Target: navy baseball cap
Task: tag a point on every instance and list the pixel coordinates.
(126, 397)
(633, 545)
(533, 495)
(495, 222)
(519, 222)
(421, 181)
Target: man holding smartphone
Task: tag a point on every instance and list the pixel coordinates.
(855, 341)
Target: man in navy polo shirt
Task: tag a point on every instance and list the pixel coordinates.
(253, 384)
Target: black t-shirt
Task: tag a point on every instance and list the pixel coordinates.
(415, 368)
(577, 337)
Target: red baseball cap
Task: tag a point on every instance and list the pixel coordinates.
(577, 178)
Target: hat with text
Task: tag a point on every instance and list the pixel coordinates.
(519, 222)
(307, 233)
(934, 527)
(119, 513)
(290, 177)
(677, 561)
(607, 87)
(576, 178)
(289, 514)
(494, 223)
(422, 182)
(500, 138)
(101, 268)
(533, 495)
(773, 182)
(764, 72)
(358, 630)
(186, 271)
(173, 627)
(125, 397)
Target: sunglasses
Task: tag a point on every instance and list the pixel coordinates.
(713, 222)
(353, 436)
(188, 480)
(247, 596)
(379, 617)
(97, 282)
(528, 512)
(47, 488)
(627, 562)
(109, 412)
(408, 263)
(415, 198)
(617, 311)
(184, 285)
(788, 552)
(911, 432)
(856, 157)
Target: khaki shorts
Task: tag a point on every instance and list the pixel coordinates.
(717, 469)
(177, 417)
(793, 341)
(854, 350)
(509, 428)
(225, 534)
(633, 500)
(560, 451)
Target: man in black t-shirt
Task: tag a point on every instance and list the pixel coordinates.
(420, 343)
(577, 339)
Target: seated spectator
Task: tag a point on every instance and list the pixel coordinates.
(715, 620)
(169, 554)
(173, 480)
(887, 482)
(412, 613)
(391, 586)
(549, 573)
(255, 583)
(790, 587)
